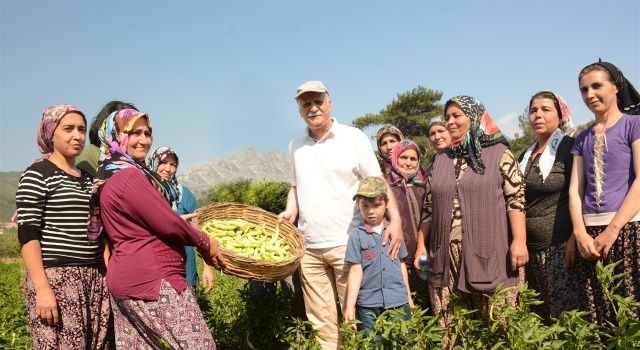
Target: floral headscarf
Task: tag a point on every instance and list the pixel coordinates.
(385, 164)
(49, 122)
(388, 129)
(434, 121)
(397, 177)
(158, 155)
(483, 132)
(114, 138)
(566, 123)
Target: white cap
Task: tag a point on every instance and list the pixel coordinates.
(311, 86)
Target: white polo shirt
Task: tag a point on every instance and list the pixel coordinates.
(326, 175)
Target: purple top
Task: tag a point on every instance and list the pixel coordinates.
(148, 237)
(618, 164)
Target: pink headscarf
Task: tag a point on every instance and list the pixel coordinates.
(398, 177)
(49, 122)
(566, 124)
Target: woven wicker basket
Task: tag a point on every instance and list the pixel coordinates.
(246, 267)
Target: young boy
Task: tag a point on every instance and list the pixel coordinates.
(376, 283)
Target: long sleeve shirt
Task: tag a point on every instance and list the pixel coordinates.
(147, 235)
(53, 207)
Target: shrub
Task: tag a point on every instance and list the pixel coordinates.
(300, 335)
(14, 333)
(232, 191)
(9, 244)
(510, 328)
(419, 332)
(252, 315)
(245, 315)
(268, 195)
(626, 334)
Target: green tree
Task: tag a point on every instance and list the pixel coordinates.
(523, 139)
(411, 111)
(580, 128)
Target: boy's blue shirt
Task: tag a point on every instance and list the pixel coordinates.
(382, 284)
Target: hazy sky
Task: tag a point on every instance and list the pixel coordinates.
(218, 76)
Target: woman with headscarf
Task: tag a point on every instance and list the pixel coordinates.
(66, 296)
(387, 137)
(146, 276)
(90, 156)
(406, 180)
(164, 161)
(438, 135)
(546, 166)
(605, 186)
(474, 213)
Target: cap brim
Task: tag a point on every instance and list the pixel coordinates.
(310, 90)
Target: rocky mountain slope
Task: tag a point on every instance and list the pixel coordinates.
(248, 163)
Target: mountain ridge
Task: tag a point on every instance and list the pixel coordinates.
(247, 163)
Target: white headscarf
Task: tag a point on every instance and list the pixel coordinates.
(548, 156)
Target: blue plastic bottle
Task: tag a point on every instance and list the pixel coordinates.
(424, 262)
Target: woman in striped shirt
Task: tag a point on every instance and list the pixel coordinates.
(65, 291)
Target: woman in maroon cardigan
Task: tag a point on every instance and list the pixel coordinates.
(146, 275)
(406, 180)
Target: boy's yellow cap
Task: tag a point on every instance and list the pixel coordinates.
(371, 186)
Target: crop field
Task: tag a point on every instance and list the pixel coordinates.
(248, 315)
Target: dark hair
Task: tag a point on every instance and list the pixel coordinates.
(550, 95)
(382, 196)
(599, 67)
(97, 121)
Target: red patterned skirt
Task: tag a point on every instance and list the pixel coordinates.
(175, 320)
(83, 309)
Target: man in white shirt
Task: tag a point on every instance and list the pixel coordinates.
(329, 160)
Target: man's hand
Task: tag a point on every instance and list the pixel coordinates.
(393, 232)
(350, 315)
(290, 212)
(288, 215)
